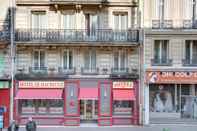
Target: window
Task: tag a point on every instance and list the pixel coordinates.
(90, 59)
(38, 19)
(67, 59)
(122, 107)
(191, 51)
(120, 60)
(91, 21)
(69, 21)
(41, 106)
(120, 20)
(39, 59)
(161, 51)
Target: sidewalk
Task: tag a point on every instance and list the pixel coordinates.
(117, 128)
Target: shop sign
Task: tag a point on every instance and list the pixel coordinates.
(123, 85)
(179, 77)
(41, 84)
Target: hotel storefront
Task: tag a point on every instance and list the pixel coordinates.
(172, 94)
(73, 102)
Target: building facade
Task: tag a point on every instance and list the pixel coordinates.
(170, 61)
(5, 73)
(77, 62)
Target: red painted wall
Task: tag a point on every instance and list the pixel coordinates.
(5, 101)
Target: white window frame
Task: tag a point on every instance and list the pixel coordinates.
(119, 19)
(67, 50)
(39, 58)
(119, 59)
(90, 58)
(160, 48)
(39, 17)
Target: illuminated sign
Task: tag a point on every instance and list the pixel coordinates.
(123, 85)
(41, 84)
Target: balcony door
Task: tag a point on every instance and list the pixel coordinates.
(91, 26)
(90, 60)
(120, 25)
(38, 25)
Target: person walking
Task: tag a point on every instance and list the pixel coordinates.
(31, 125)
(13, 126)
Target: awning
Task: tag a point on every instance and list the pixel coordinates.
(123, 95)
(39, 94)
(88, 93)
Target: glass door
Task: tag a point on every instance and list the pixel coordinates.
(88, 110)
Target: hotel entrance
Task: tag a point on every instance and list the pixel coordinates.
(89, 111)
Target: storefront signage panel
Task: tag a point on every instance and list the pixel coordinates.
(41, 84)
(105, 99)
(179, 77)
(72, 99)
(122, 84)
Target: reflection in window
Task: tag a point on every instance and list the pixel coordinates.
(122, 107)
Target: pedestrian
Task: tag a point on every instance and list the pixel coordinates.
(31, 125)
(13, 126)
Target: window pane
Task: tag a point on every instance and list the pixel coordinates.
(157, 50)
(164, 50)
(70, 60)
(122, 60)
(116, 60)
(116, 22)
(187, 50)
(124, 21)
(194, 55)
(36, 57)
(93, 59)
(65, 60)
(42, 59)
(86, 60)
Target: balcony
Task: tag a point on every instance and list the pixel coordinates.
(189, 62)
(38, 70)
(89, 71)
(75, 35)
(91, 2)
(161, 62)
(124, 73)
(158, 24)
(119, 71)
(64, 71)
(189, 24)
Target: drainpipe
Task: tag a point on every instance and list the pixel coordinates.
(12, 53)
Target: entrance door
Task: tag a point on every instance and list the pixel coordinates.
(88, 110)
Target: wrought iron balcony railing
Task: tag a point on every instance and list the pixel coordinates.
(76, 35)
(65, 71)
(38, 70)
(4, 35)
(89, 71)
(158, 24)
(189, 62)
(161, 62)
(189, 24)
(119, 71)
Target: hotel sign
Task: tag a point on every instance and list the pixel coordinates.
(41, 84)
(179, 77)
(122, 85)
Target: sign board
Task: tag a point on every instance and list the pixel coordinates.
(123, 85)
(179, 77)
(41, 84)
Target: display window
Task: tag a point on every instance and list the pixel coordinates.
(41, 107)
(122, 107)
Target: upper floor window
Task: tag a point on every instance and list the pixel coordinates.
(190, 52)
(161, 52)
(68, 59)
(90, 59)
(39, 59)
(120, 20)
(120, 60)
(69, 21)
(38, 20)
(91, 24)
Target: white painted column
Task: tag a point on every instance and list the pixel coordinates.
(146, 105)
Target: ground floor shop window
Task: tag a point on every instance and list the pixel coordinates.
(41, 107)
(122, 107)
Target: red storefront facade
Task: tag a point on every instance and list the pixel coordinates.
(73, 102)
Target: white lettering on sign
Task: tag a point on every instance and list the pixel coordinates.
(122, 85)
(41, 84)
